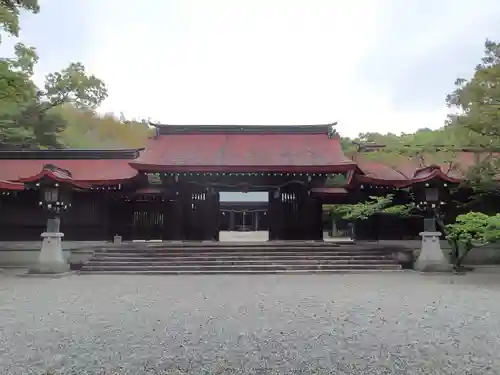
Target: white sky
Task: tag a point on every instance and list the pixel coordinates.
(372, 65)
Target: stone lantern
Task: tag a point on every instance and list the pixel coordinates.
(431, 257)
(54, 200)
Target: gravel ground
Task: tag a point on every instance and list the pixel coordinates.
(403, 323)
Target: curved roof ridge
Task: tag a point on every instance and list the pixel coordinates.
(166, 129)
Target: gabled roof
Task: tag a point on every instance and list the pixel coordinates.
(91, 171)
(78, 167)
(403, 171)
(309, 148)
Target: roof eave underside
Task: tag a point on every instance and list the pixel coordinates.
(338, 168)
(71, 154)
(402, 183)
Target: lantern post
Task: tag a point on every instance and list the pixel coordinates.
(431, 257)
(54, 201)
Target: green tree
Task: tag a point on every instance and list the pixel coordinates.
(373, 206)
(88, 129)
(471, 230)
(27, 116)
(476, 118)
(15, 83)
(476, 101)
(10, 11)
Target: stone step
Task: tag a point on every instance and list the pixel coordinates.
(211, 262)
(234, 249)
(239, 272)
(273, 252)
(236, 257)
(214, 244)
(181, 268)
(245, 258)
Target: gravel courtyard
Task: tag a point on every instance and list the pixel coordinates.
(403, 323)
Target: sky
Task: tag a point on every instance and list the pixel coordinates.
(371, 65)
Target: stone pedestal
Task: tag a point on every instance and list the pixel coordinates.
(51, 259)
(431, 258)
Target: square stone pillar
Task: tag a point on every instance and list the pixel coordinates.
(431, 258)
(51, 259)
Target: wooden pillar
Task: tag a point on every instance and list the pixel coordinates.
(287, 216)
(284, 215)
(200, 216)
(177, 219)
(273, 216)
(216, 215)
(302, 215)
(231, 221)
(211, 216)
(318, 230)
(186, 202)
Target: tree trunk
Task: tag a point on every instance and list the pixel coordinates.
(461, 257)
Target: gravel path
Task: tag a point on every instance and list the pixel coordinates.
(401, 323)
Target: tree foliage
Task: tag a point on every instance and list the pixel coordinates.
(88, 130)
(471, 230)
(374, 206)
(26, 116)
(475, 120)
(477, 101)
(473, 126)
(10, 11)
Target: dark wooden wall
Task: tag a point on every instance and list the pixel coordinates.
(389, 227)
(21, 219)
(87, 219)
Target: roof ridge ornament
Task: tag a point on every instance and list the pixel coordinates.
(332, 132)
(60, 172)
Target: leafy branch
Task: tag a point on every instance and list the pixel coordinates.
(373, 206)
(27, 118)
(471, 230)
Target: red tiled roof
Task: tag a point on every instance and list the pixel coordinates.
(242, 152)
(89, 171)
(7, 185)
(403, 171)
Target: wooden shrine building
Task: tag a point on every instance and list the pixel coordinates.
(169, 190)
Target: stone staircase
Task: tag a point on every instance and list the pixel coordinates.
(224, 258)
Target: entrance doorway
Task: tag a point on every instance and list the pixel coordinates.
(244, 216)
